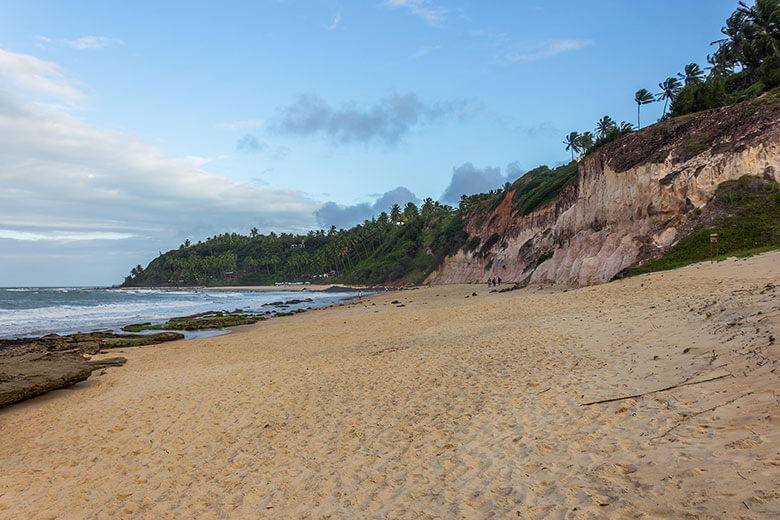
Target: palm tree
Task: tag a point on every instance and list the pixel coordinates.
(410, 211)
(693, 75)
(642, 97)
(625, 128)
(395, 214)
(604, 125)
(572, 143)
(670, 87)
(585, 141)
(764, 16)
(731, 48)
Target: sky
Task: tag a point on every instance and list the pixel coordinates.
(128, 127)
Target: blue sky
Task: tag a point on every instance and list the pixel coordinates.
(128, 127)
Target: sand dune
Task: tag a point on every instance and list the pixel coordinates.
(452, 406)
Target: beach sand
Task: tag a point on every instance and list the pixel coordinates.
(450, 406)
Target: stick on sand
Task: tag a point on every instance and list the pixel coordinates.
(656, 391)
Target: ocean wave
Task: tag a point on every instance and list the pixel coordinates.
(35, 311)
(155, 291)
(140, 291)
(106, 309)
(225, 295)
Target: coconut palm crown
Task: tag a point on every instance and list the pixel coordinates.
(670, 87)
(572, 143)
(604, 125)
(642, 97)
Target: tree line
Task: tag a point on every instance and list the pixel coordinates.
(745, 64)
(418, 235)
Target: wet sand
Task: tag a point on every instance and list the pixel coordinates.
(266, 288)
(450, 406)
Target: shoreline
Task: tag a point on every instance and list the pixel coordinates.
(433, 402)
(97, 322)
(263, 288)
(35, 365)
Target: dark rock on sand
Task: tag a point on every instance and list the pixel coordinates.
(86, 343)
(28, 375)
(33, 366)
(294, 301)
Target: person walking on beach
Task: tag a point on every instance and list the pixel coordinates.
(499, 280)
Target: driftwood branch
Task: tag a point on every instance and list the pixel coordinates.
(684, 383)
(667, 432)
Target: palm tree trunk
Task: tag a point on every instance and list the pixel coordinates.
(638, 124)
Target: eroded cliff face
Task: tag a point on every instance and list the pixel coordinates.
(629, 200)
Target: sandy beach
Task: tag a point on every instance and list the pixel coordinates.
(443, 405)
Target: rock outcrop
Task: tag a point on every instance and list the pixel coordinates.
(629, 201)
(34, 366)
(29, 375)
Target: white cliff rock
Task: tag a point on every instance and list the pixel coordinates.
(629, 199)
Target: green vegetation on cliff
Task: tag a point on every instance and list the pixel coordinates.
(534, 189)
(744, 213)
(540, 186)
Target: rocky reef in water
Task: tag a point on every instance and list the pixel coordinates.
(220, 319)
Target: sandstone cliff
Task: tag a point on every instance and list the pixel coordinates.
(628, 203)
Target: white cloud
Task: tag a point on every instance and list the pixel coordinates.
(33, 75)
(64, 181)
(197, 160)
(386, 121)
(334, 214)
(467, 180)
(250, 144)
(238, 125)
(68, 236)
(63, 170)
(508, 50)
(531, 51)
(336, 21)
(433, 15)
(92, 42)
(424, 51)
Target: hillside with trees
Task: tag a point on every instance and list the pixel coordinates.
(408, 244)
(400, 247)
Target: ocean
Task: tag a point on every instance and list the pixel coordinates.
(35, 311)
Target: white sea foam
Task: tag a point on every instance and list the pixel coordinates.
(224, 295)
(66, 310)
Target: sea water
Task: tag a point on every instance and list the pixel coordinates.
(34, 311)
